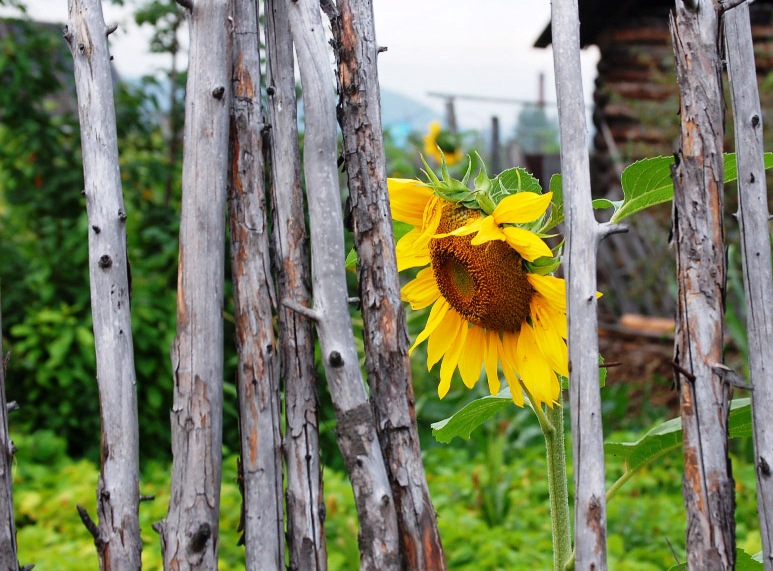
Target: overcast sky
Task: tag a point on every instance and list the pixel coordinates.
(448, 46)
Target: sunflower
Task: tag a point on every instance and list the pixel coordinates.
(490, 307)
(442, 145)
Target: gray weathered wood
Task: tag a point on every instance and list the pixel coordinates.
(257, 372)
(356, 432)
(384, 331)
(756, 256)
(117, 535)
(189, 534)
(697, 226)
(305, 505)
(582, 236)
(8, 550)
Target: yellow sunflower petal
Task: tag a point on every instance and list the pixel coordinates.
(450, 359)
(527, 244)
(408, 199)
(490, 361)
(551, 288)
(533, 368)
(438, 344)
(548, 337)
(488, 231)
(507, 358)
(552, 316)
(471, 358)
(436, 315)
(422, 291)
(468, 228)
(522, 207)
(509, 367)
(412, 250)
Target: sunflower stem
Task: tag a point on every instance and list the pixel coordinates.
(551, 422)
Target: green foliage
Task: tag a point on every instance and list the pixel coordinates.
(667, 437)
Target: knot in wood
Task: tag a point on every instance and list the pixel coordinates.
(755, 120)
(335, 359)
(199, 538)
(105, 262)
(122, 216)
(218, 92)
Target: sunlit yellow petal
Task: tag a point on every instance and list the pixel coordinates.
(527, 244)
(436, 315)
(522, 207)
(507, 358)
(551, 288)
(471, 358)
(490, 361)
(534, 370)
(412, 250)
(489, 231)
(422, 291)
(549, 338)
(550, 315)
(408, 199)
(450, 359)
(439, 343)
(468, 228)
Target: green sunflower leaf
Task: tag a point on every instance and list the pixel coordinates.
(667, 436)
(543, 266)
(556, 204)
(743, 562)
(648, 182)
(470, 417)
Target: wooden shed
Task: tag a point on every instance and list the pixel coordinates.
(635, 100)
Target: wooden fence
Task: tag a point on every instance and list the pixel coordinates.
(239, 156)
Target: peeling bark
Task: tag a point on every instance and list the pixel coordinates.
(305, 503)
(262, 521)
(356, 432)
(698, 175)
(385, 336)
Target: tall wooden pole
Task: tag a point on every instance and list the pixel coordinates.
(117, 535)
(700, 262)
(189, 534)
(385, 335)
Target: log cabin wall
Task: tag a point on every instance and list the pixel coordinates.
(635, 116)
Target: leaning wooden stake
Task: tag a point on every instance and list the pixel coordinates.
(189, 534)
(700, 262)
(117, 535)
(8, 549)
(258, 375)
(583, 234)
(305, 504)
(356, 432)
(755, 246)
(386, 339)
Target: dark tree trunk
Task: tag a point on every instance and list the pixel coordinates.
(305, 505)
(697, 225)
(257, 374)
(386, 339)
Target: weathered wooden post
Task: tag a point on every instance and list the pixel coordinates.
(117, 534)
(385, 335)
(583, 234)
(755, 247)
(356, 432)
(305, 506)
(258, 372)
(189, 534)
(8, 551)
(697, 226)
